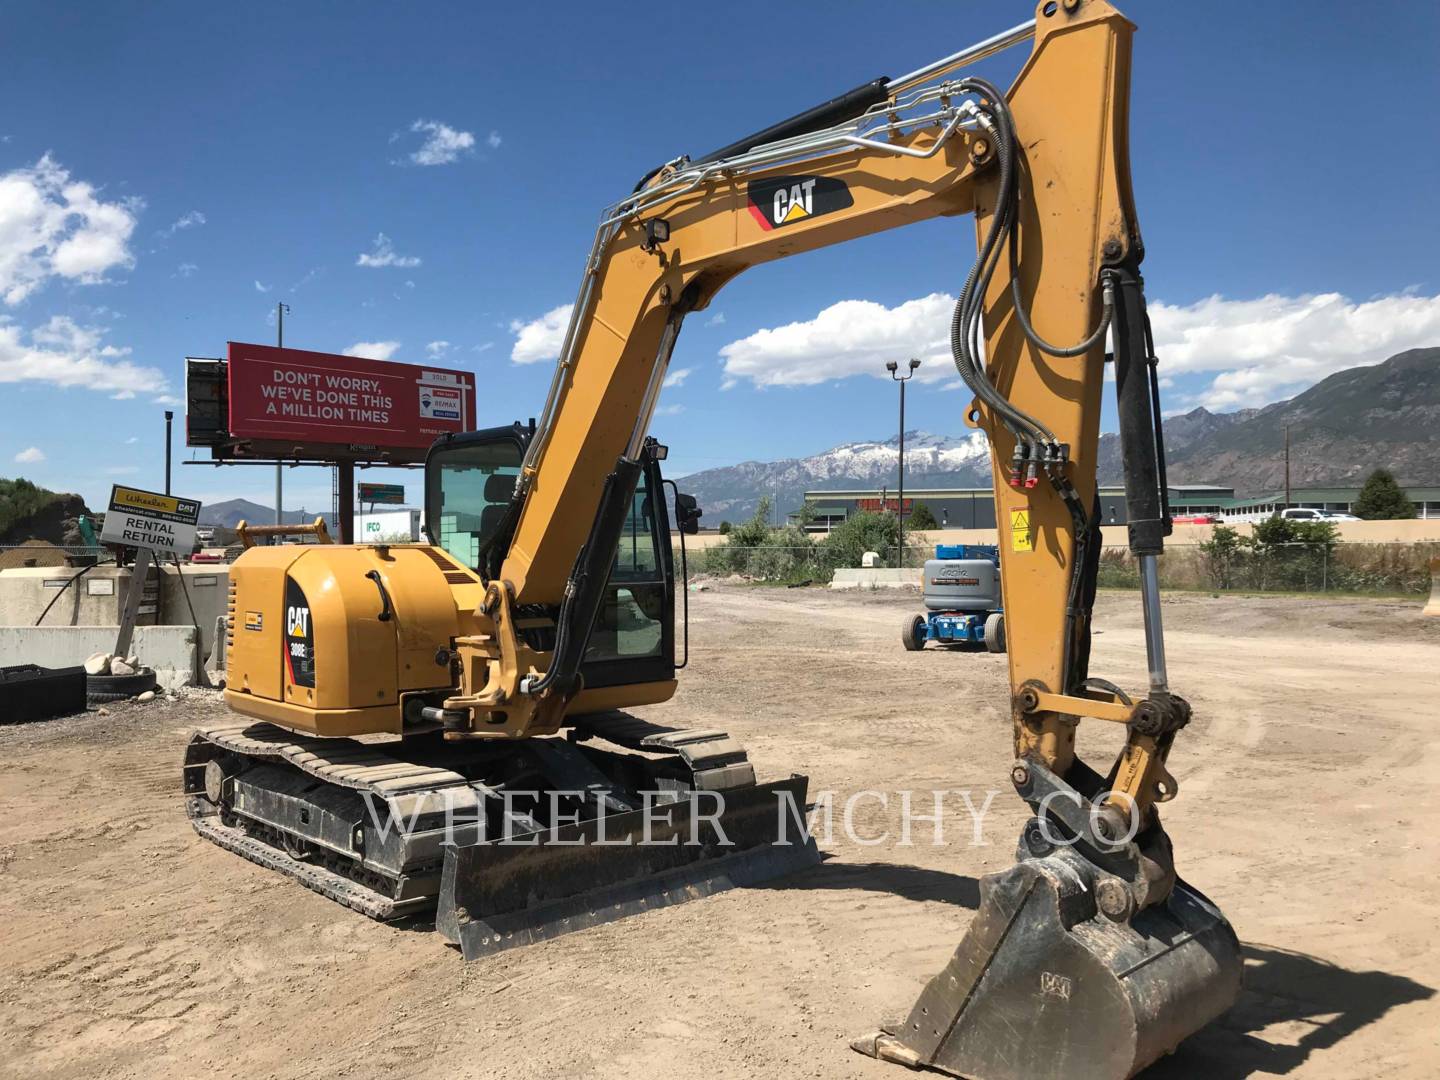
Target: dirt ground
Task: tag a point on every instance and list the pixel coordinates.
(129, 948)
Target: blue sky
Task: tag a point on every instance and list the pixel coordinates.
(169, 171)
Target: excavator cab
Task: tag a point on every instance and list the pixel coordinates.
(469, 486)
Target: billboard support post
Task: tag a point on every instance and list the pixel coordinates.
(346, 491)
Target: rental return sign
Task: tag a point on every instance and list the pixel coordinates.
(146, 519)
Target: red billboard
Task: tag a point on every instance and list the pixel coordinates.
(292, 395)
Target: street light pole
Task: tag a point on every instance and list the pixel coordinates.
(280, 310)
(1287, 464)
(169, 422)
(894, 370)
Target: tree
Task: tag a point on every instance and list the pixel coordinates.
(725, 528)
(1381, 499)
(1223, 550)
(921, 517)
(1293, 554)
(846, 544)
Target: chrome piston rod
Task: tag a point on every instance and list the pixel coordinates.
(1154, 631)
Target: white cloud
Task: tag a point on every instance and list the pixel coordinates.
(669, 410)
(384, 255)
(186, 269)
(484, 347)
(437, 349)
(493, 140)
(53, 226)
(64, 353)
(186, 221)
(132, 440)
(442, 144)
(853, 337)
(310, 275)
(718, 319)
(373, 350)
(540, 339)
(122, 395)
(166, 399)
(1259, 350)
(31, 455)
(261, 288)
(677, 376)
(1274, 346)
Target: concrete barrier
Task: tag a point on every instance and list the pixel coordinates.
(878, 577)
(170, 650)
(1433, 607)
(99, 598)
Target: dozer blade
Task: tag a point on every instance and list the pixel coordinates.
(509, 892)
(1046, 986)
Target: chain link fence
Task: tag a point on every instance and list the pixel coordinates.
(1357, 568)
(44, 554)
(1366, 569)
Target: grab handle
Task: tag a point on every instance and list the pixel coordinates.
(387, 612)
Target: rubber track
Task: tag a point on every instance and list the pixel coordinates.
(325, 882)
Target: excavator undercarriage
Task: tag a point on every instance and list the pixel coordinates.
(501, 838)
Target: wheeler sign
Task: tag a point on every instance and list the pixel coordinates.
(302, 397)
(146, 519)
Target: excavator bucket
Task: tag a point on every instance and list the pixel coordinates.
(1058, 977)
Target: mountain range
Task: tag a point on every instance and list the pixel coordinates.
(1385, 415)
(233, 511)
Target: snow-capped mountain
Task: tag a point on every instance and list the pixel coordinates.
(733, 492)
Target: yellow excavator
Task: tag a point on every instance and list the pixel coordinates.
(442, 726)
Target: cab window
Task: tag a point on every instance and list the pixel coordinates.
(630, 623)
(470, 491)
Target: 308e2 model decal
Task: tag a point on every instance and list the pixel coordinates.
(784, 200)
(299, 640)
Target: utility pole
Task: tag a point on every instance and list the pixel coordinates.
(280, 310)
(894, 368)
(1287, 464)
(169, 421)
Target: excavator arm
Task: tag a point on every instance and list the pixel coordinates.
(1089, 957)
(933, 147)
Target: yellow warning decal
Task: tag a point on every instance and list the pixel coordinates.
(254, 620)
(1021, 538)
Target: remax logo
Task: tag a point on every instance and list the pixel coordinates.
(785, 200)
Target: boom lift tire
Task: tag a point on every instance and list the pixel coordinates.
(995, 632)
(913, 633)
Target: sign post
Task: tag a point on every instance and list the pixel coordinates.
(152, 523)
